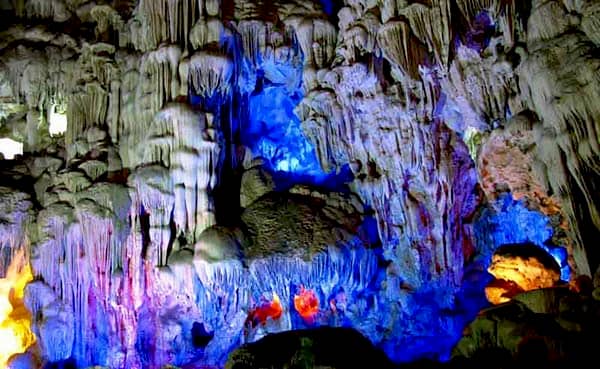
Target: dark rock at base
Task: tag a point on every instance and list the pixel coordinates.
(547, 328)
(324, 347)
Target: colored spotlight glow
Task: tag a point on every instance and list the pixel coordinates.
(274, 132)
(306, 304)
(267, 309)
(517, 274)
(15, 321)
(514, 223)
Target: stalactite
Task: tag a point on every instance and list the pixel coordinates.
(304, 30)
(509, 24)
(213, 7)
(153, 186)
(210, 74)
(168, 21)
(538, 27)
(386, 94)
(253, 34)
(323, 45)
(54, 9)
(106, 17)
(351, 270)
(432, 27)
(388, 9)
(590, 22)
(193, 157)
(432, 245)
(485, 84)
(361, 35)
(162, 68)
(471, 8)
(15, 208)
(570, 134)
(317, 109)
(207, 32)
(395, 40)
(86, 109)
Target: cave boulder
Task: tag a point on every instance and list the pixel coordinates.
(552, 326)
(323, 347)
(294, 224)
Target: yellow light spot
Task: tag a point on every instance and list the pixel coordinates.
(15, 321)
(519, 274)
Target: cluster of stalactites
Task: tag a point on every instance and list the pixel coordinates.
(179, 157)
(230, 290)
(147, 84)
(560, 81)
(345, 128)
(166, 21)
(35, 83)
(15, 210)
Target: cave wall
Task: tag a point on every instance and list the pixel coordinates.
(404, 137)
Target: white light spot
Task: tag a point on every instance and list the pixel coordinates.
(9, 148)
(58, 122)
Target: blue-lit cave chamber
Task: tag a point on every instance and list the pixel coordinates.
(251, 184)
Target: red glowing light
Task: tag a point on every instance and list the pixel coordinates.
(267, 309)
(306, 304)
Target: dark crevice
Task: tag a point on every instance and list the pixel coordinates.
(173, 233)
(145, 231)
(372, 169)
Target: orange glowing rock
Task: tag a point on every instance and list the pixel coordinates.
(515, 274)
(306, 303)
(268, 309)
(500, 291)
(15, 321)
